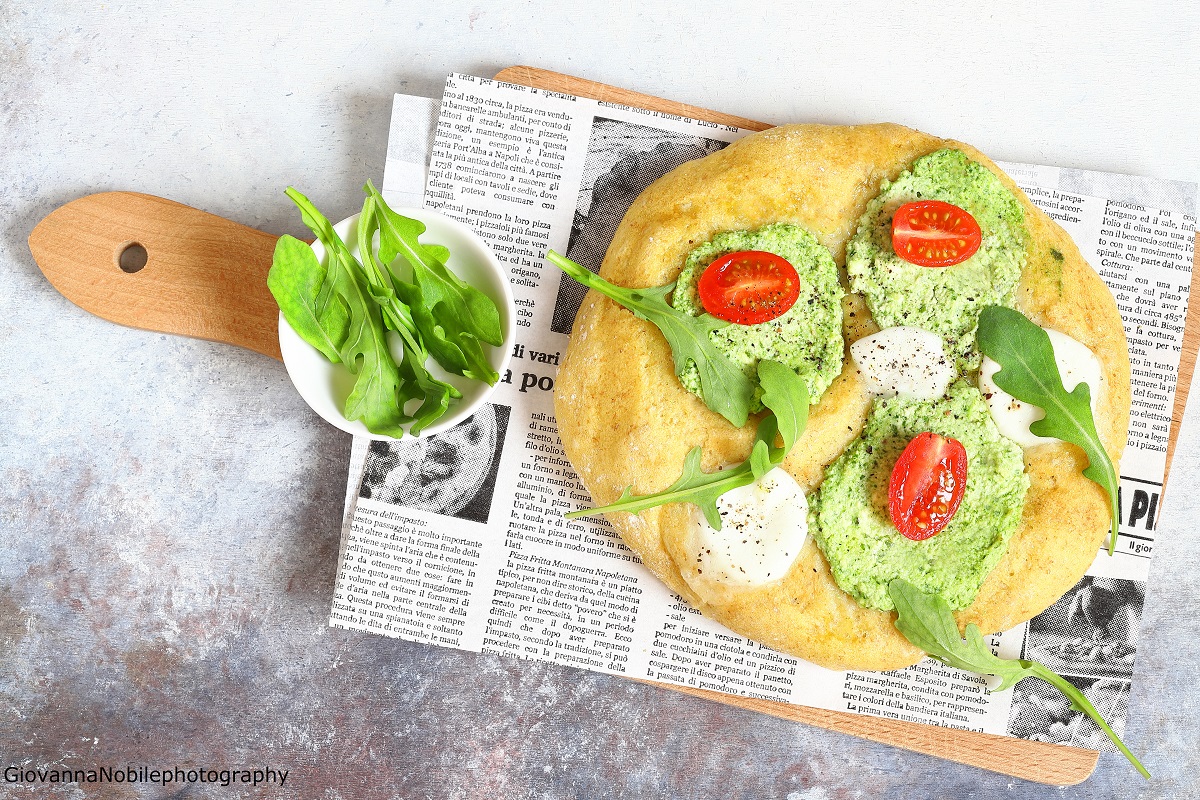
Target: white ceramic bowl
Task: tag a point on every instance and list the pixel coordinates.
(325, 385)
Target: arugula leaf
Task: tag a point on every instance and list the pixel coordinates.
(435, 394)
(376, 397)
(396, 315)
(927, 622)
(343, 308)
(723, 386)
(452, 316)
(404, 309)
(786, 396)
(296, 280)
(694, 485)
(456, 353)
(1029, 373)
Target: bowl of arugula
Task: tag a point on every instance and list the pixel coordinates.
(392, 323)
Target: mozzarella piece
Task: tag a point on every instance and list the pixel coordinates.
(763, 528)
(903, 360)
(1076, 364)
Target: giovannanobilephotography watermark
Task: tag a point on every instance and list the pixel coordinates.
(161, 776)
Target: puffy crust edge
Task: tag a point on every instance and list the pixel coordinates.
(624, 419)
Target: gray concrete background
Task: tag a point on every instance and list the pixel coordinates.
(169, 508)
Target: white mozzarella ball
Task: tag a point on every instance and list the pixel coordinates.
(903, 360)
(763, 528)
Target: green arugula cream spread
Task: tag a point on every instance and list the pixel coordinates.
(945, 300)
(849, 513)
(807, 338)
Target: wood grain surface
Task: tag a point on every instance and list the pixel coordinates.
(205, 277)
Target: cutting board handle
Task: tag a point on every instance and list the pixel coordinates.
(155, 264)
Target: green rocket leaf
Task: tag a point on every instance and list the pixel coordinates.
(355, 332)
(344, 307)
(296, 280)
(927, 622)
(435, 395)
(1029, 373)
(723, 386)
(454, 318)
(786, 396)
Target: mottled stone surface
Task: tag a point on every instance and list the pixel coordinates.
(169, 508)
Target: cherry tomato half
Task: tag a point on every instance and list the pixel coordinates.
(928, 483)
(931, 233)
(749, 287)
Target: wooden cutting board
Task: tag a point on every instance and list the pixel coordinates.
(204, 276)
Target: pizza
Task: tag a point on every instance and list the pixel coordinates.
(826, 198)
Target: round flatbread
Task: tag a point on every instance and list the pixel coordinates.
(625, 420)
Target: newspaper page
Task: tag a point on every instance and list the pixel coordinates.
(459, 539)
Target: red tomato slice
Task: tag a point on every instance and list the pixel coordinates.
(931, 233)
(749, 287)
(928, 483)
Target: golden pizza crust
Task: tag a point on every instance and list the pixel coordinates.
(625, 420)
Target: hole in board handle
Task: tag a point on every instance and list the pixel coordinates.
(132, 257)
